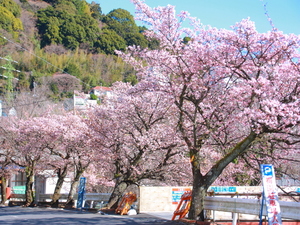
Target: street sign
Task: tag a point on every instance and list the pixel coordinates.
(18, 189)
(81, 192)
(270, 194)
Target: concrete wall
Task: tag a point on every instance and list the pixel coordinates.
(50, 184)
(158, 199)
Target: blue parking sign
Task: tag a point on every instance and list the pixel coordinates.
(267, 170)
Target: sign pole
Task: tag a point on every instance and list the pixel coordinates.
(262, 208)
(270, 194)
(81, 192)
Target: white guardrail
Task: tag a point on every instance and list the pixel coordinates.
(87, 197)
(92, 197)
(289, 210)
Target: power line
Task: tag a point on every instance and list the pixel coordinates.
(33, 54)
(7, 77)
(40, 58)
(34, 102)
(10, 69)
(8, 60)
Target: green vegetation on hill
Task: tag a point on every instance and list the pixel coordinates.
(76, 24)
(68, 23)
(67, 36)
(122, 22)
(9, 16)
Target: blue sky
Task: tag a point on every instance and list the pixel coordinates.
(224, 13)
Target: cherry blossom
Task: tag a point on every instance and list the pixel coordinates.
(232, 88)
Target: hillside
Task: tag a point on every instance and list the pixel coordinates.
(66, 36)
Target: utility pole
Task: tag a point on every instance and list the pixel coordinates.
(8, 73)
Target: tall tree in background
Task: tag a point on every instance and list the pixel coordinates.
(96, 10)
(9, 16)
(109, 41)
(68, 27)
(123, 23)
(231, 87)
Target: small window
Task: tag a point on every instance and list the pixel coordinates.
(18, 179)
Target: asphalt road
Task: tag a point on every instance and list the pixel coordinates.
(39, 216)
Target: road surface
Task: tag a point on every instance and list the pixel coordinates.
(39, 216)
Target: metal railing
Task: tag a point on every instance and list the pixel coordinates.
(91, 197)
(289, 210)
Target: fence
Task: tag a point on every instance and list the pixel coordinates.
(163, 199)
(90, 198)
(289, 210)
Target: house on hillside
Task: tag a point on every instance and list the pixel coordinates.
(7, 111)
(80, 101)
(83, 101)
(101, 92)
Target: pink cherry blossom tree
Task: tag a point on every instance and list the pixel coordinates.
(25, 106)
(231, 87)
(61, 142)
(98, 176)
(80, 147)
(60, 155)
(136, 126)
(6, 168)
(28, 142)
(281, 150)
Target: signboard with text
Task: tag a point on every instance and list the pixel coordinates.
(177, 193)
(270, 194)
(223, 189)
(18, 189)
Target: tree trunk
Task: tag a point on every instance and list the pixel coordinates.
(29, 186)
(3, 190)
(117, 194)
(201, 183)
(73, 188)
(61, 173)
(198, 198)
(199, 188)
